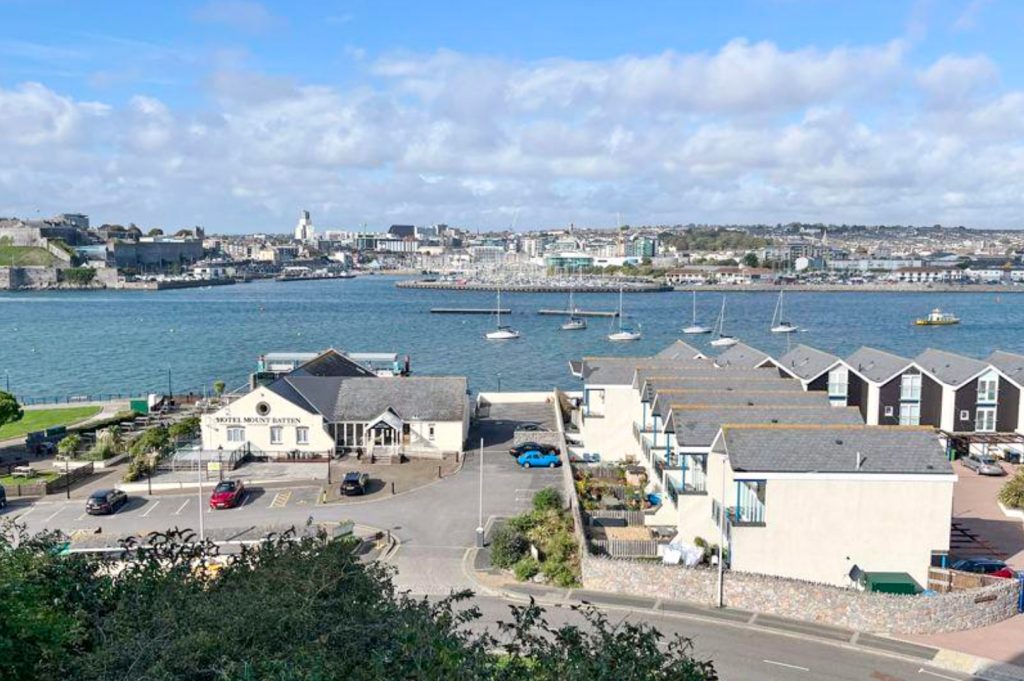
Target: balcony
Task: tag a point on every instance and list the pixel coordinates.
(746, 516)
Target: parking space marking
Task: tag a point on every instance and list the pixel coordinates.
(281, 499)
(54, 514)
(150, 509)
(31, 509)
(182, 507)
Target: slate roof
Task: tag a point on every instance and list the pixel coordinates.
(741, 356)
(950, 368)
(807, 363)
(679, 350)
(1012, 365)
(331, 363)
(833, 449)
(620, 370)
(876, 365)
(416, 398)
(697, 426)
(665, 400)
(713, 379)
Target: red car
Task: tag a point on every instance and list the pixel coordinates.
(227, 494)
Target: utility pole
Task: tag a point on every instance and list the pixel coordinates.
(170, 390)
(199, 478)
(480, 515)
(721, 540)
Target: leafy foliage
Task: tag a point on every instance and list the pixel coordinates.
(79, 276)
(508, 545)
(10, 410)
(185, 428)
(218, 387)
(1012, 493)
(288, 608)
(713, 240)
(69, 445)
(547, 499)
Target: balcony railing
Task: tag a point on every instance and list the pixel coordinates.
(746, 516)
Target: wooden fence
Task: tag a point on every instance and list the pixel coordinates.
(625, 548)
(616, 518)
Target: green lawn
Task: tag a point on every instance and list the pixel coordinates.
(44, 476)
(25, 256)
(41, 419)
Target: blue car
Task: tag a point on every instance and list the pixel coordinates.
(537, 459)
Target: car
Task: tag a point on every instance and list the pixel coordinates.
(538, 459)
(985, 566)
(227, 494)
(105, 501)
(355, 483)
(519, 450)
(983, 464)
(531, 427)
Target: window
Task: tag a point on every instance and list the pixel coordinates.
(910, 414)
(236, 434)
(910, 388)
(838, 382)
(988, 389)
(430, 431)
(262, 408)
(276, 435)
(965, 415)
(889, 411)
(302, 435)
(985, 421)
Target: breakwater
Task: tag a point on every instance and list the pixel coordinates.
(611, 287)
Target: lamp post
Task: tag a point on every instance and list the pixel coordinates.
(170, 390)
(721, 540)
(480, 515)
(199, 479)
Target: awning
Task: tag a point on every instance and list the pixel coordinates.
(388, 419)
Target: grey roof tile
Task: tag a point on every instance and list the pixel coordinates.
(680, 350)
(420, 398)
(806, 362)
(331, 363)
(876, 365)
(741, 356)
(948, 367)
(1011, 364)
(834, 449)
(663, 402)
(713, 379)
(620, 370)
(698, 426)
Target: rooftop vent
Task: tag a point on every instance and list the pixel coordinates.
(839, 442)
(860, 461)
(775, 420)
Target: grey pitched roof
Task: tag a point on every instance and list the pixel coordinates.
(679, 350)
(418, 398)
(331, 363)
(698, 426)
(1012, 365)
(713, 379)
(741, 356)
(834, 449)
(620, 370)
(949, 368)
(806, 362)
(876, 365)
(664, 400)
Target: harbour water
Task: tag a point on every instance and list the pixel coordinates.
(60, 344)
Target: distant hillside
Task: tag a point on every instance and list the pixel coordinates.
(25, 256)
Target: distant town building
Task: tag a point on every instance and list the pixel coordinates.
(304, 231)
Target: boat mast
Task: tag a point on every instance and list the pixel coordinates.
(694, 308)
(499, 308)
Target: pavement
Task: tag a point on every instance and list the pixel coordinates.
(978, 515)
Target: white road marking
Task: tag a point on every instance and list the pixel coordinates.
(31, 509)
(182, 507)
(941, 676)
(150, 509)
(54, 514)
(788, 666)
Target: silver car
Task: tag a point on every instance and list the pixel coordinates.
(983, 464)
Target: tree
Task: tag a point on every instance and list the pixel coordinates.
(10, 410)
(69, 445)
(218, 387)
(156, 231)
(750, 260)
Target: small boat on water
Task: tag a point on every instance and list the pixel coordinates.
(779, 323)
(625, 332)
(575, 323)
(723, 340)
(502, 332)
(938, 318)
(694, 327)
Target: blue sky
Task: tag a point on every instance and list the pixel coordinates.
(236, 114)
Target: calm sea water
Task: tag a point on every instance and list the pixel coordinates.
(107, 341)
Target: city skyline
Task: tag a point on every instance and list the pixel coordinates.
(236, 115)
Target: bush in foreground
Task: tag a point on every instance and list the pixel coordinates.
(1012, 492)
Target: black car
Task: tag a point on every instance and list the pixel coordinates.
(984, 566)
(355, 483)
(105, 501)
(519, 450)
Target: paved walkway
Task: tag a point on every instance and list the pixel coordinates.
(975, 509)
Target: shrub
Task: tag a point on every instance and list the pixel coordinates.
(547, 499)
(507, 547)
(153, 440)
(184, 429)
(69, 445)
(526, 568)
(522, 523)
(1012, 493)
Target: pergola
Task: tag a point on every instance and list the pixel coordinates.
(960, 443)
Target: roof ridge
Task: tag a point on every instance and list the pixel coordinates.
(827, 426)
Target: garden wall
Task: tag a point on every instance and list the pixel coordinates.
(820, 603)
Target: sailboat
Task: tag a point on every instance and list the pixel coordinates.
(575, 323)
(502, 332)
(779, 324)
(625, 333)
(722, 340)
(694, 327)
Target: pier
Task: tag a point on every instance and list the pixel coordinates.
(611, 287)
(580, 313)
(470, 310)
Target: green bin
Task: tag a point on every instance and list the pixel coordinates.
(890, 583)
(139, 406)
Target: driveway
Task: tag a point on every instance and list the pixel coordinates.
(980, 528)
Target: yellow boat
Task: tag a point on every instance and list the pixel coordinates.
(938, 318)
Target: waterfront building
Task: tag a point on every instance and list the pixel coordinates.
(743, 356)
(813, 368)
(875, 385)
(568, 260)
(961, 394)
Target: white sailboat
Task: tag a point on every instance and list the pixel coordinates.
(694, 327)
(625, 332)
(779, 324)
(722, 340)
(502, 332)
(575, 323)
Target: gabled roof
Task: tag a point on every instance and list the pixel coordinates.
(680, 350)
(741, 356)
(1010, 364)
(833, 449)
(621, 370)
(876, 366)
(948, 368)
(360, 399)
(666, 400)
(807, 363)
(697, 426)
(331, 363)
(713, 379)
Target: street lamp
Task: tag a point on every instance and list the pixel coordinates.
(480, 516)
(170, 390)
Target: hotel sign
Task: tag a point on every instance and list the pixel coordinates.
(257, 420)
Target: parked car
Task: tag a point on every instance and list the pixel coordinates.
(3, 497)
(539, 459)
(355, 483)
(985, 566)
(519, 450)
(227, 494)
(983, 464)
(105, 501)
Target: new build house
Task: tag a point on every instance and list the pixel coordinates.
(874, 384)
(812, 367)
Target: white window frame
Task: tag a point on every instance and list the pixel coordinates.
(301, 435)
(988, 389)
(839, 383)
(910, 414)
(965, 414)
(276, 435)
(910, 388)
(985, 420)
(888, 411)
(236, 434)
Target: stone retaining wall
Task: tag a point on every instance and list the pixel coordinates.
(820, 603)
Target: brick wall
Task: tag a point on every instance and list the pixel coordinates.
(882, 613)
